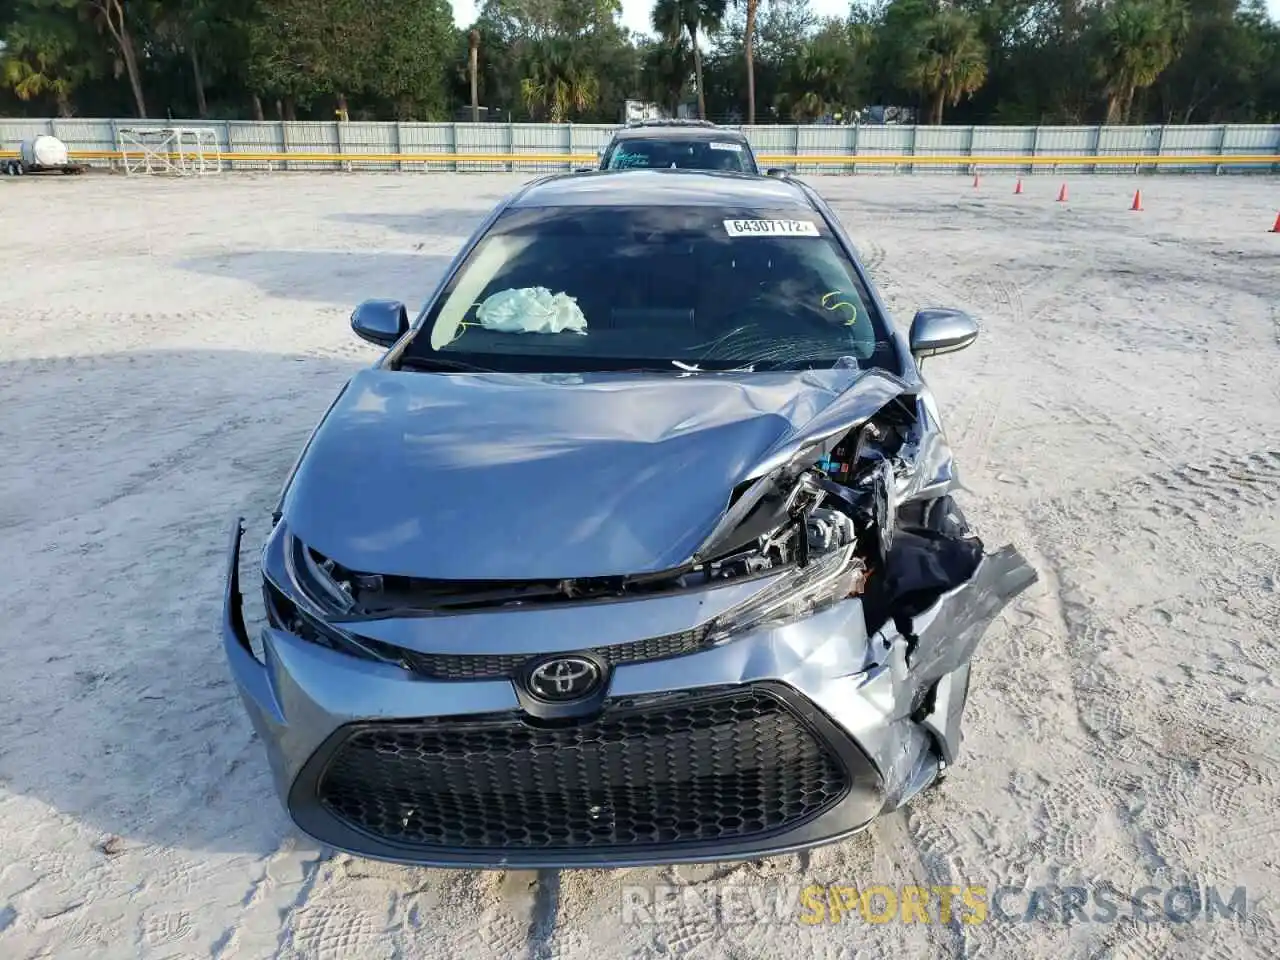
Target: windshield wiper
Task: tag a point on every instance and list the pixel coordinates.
(440, 363)
(694, 368)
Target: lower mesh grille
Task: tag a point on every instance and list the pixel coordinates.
(720, 768)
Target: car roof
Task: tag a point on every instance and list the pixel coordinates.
(677, 188)
(679, 131)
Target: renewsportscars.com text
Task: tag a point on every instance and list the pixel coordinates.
(814, 904)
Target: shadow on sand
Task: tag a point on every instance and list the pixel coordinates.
(429, 223)
(337, 277)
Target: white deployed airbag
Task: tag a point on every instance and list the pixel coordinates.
(531, 310)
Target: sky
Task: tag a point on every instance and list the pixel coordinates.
(635, 13)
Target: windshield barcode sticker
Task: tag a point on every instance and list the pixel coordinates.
(735, 147)
(771, 228)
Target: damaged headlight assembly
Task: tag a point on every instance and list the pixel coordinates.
(314, 597)
(813, 588)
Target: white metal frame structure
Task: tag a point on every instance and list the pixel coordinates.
(181, 151)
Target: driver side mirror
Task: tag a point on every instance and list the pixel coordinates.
(936, 331)
(381, 322)
(781, 172)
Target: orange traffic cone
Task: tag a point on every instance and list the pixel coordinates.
(975, 181)
(1062, 194)
(1017, 187)
(1137, 200)
(1276, 228)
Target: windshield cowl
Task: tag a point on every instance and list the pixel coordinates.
(463, 363)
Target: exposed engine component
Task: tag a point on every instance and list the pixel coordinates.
(828, 529)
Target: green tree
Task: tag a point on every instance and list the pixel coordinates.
(666, 66)
(782, 29)
(947, 60)
(44, 55)
(390, 51)
(190, 27)
(1219, 75)
(116, 20)
(1136, 40)
(672, 18)
(578, 43)
(557, 85)
(1023, 61)
(752, 9)
(830, 74)
(411, 43)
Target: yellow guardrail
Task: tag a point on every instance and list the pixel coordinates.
(768, 159)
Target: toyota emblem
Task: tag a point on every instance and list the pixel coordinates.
(564, 679)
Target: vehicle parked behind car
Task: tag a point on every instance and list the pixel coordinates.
(680, 145)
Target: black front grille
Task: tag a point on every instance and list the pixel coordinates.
(719, 768)
(499, 666)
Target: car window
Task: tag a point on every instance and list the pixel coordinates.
(576, 288)
(680, 153)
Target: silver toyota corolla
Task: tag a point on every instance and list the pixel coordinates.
(636, 546)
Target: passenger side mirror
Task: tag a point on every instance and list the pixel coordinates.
(381, 322)
(780, 172)
(939, 330)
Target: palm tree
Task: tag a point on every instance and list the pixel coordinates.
(555, 84)
(1139, 39)
(665, 68)
(671, 18)
(947, 61)
(749, 39)
(473, 65)
(828, 74)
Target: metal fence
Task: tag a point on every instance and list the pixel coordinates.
(867, 148)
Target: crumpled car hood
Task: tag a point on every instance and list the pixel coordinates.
(518, 476)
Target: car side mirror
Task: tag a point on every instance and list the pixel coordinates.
(936, 331)
(781, 172)
(584, 169)
(381, 322)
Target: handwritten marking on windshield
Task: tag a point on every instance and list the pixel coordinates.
(853, 310)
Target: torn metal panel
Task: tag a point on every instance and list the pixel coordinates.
(946, 634)
(944, 720)
(930, 655)
(867, 395)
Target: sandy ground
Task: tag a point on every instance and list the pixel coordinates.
(166, 346)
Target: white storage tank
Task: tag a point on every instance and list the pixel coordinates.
(44, 151)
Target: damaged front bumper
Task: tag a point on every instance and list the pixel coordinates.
(782, 738)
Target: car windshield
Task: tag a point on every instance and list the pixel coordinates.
(682, 153)
(577, 288)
